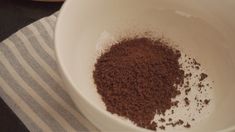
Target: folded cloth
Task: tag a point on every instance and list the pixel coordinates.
(31, 85)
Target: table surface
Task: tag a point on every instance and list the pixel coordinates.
(15, 14)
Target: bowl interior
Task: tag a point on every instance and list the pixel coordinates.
(202, 30)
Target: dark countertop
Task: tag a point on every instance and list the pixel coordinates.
(15, 14)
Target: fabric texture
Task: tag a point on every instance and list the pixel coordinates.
(30, 82)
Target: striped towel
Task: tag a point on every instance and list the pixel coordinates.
(31, 85)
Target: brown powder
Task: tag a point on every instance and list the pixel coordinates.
(187, 91)
(203, 76)
(170, 119)
(187, 102)
(162, 127)
(206, 101)
(188, 75)
(200, 86)
(196, 63)
(180, 122)
(162, 120)
(137, 78)
(152, 126)
(173, 124)
(187, 125)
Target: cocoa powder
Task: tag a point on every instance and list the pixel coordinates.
(138, 78)
(187, 125)
(203, 76)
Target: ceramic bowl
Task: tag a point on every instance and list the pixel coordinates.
(203, 29)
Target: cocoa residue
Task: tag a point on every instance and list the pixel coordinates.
(139, 77)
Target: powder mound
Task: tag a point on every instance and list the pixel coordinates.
(138, 78)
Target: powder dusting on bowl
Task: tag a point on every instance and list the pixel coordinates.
(151, 83)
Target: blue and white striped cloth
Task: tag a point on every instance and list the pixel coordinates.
(31, 85)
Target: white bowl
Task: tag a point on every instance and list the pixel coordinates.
(203, 29)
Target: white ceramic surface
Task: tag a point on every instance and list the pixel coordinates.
(204, 29)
